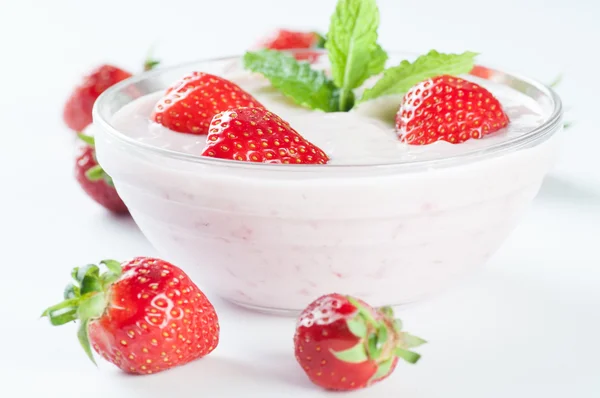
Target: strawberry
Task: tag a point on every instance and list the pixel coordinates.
(189, 105)
(344, 344)
(77, 112)
(448, 108)
(144, 315)
(482, 72)
(284, 39)
(94, 181)
(257, 135)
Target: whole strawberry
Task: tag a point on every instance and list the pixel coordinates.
(257, 135)
(189, 105)
(77, 112)
(285, 39)
(448, 108)
(93, 179)
(144, 315)
(343, 344)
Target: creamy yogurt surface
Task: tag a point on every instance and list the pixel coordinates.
(364, 135)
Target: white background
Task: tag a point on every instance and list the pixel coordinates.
(526, 325)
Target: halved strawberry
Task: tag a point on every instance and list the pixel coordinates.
(189, 105)
(257, 135)
(344, 344)
(448, 108)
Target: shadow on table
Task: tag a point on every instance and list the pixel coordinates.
(215, 373)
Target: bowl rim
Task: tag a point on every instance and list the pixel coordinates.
(541, 133)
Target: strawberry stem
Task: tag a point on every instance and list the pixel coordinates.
(85, 299)
(150, 63)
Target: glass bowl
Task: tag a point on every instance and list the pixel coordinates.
(275, 237)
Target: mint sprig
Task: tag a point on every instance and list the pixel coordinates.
(355, 56)
(352, 46)
(296, 80)
(399, 79)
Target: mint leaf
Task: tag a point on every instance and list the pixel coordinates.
(351, 43)
(399, 79)
(297, 80)
(377, 61)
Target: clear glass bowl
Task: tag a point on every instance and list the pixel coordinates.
(275, 237)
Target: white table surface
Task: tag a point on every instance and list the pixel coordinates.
(526, 325)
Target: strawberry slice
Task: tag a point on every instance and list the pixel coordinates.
(448, 108)
(257, 135)
(189, 105)
(343, 344)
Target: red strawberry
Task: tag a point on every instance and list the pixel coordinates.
(144, 315)
(77, 113)
(189, 105)
(257, 135)
(448, 108)
(342, 343)
(482, 72)
(94, 181)
(284, 39)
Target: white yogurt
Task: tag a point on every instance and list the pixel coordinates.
(277, 238)
(365, 135)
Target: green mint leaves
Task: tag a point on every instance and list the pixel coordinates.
(399, 79)
(352, 45)
(297, 80)
(355, 56)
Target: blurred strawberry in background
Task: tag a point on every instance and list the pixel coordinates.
(285, 39)
(77, 115)
(93, 179)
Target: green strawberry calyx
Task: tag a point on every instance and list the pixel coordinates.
(85, 299)
(95, 173)
(150, 62)
(380, 340)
